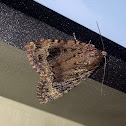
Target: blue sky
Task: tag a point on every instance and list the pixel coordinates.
(110, 15)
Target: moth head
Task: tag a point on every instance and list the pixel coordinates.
(104, 53)
(90, 57)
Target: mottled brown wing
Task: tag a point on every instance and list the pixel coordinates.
(62, 65)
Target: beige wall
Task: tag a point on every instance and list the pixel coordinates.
(84, 105)
(16, 114)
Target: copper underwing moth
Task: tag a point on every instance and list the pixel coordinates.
(62, 65)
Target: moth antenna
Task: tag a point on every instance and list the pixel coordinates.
(104, 58)
(74, 36)
(103, 75)
(100, 36)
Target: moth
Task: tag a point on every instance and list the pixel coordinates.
(62, 65)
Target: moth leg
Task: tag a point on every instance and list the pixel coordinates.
(89, 42)
(74, 37)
